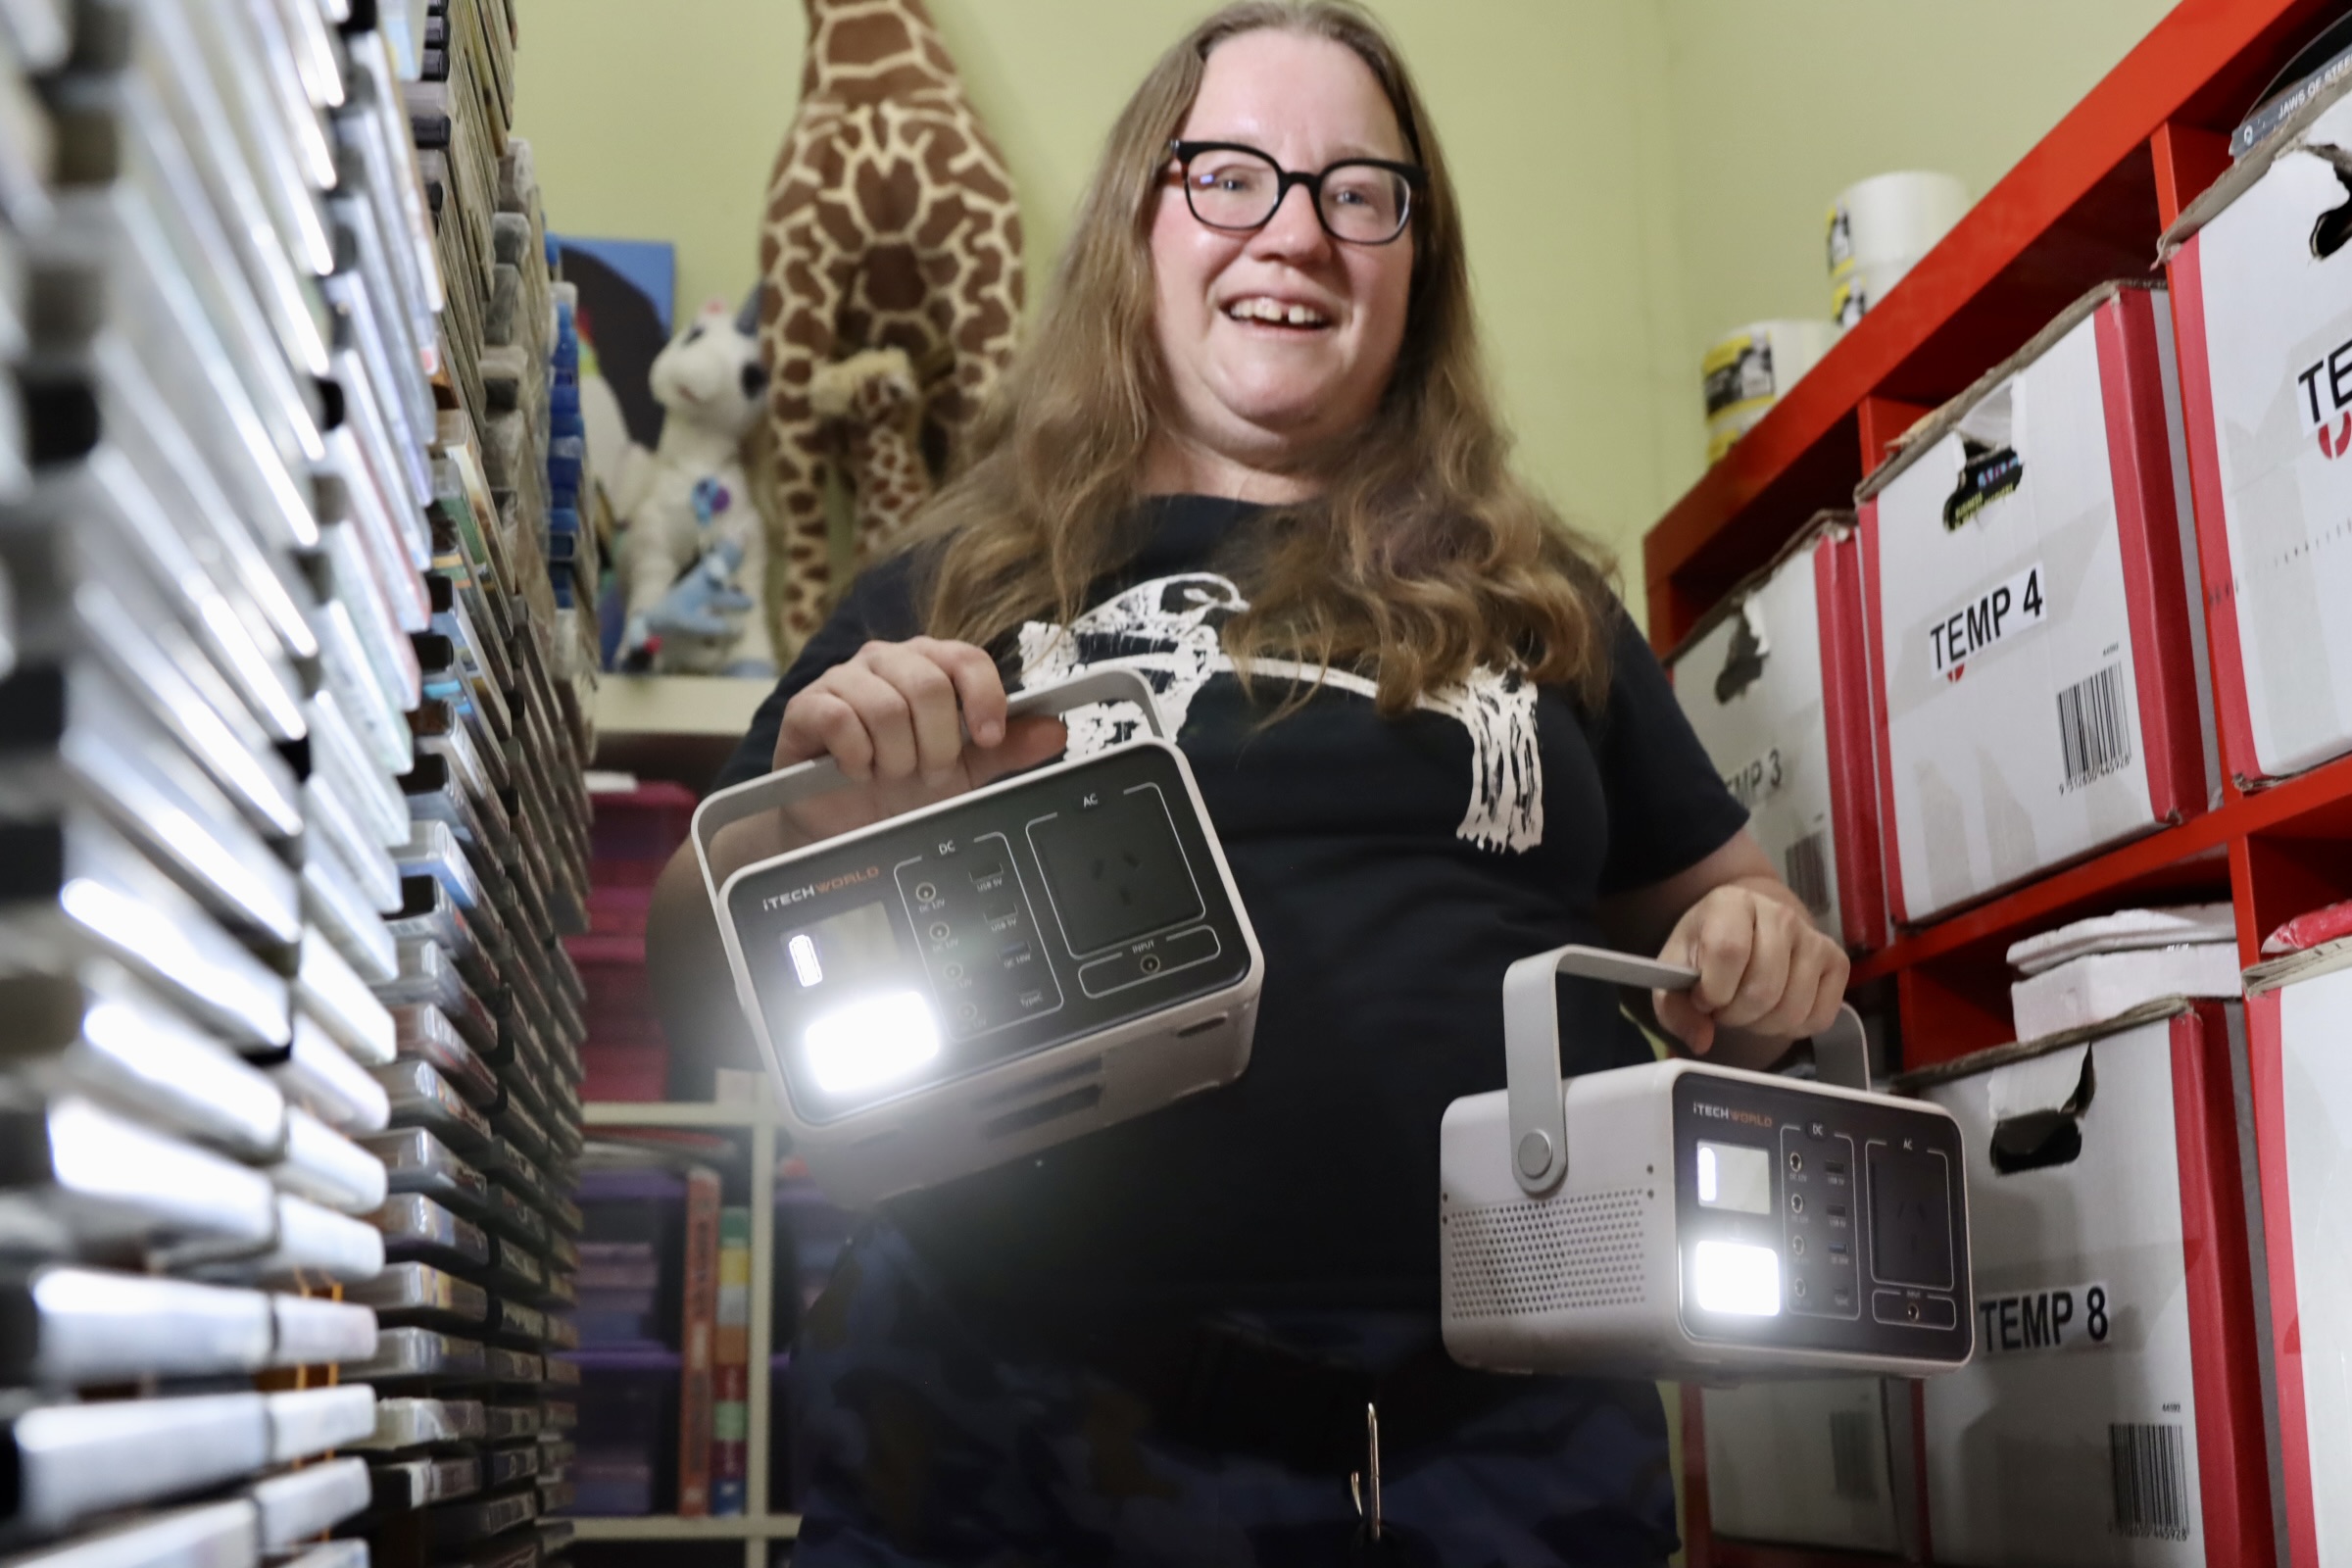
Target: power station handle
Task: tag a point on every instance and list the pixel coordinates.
(1531, 1048)
(803, 780)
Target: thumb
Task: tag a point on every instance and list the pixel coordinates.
(1679, 1015)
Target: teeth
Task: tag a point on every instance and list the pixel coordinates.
(1267, 310)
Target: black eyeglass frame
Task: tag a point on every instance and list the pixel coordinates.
(1416, 178)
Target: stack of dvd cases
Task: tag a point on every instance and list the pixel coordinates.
(470, 1452)
(210, 573)
(291, 810)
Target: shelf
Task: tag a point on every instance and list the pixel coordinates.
(676, 728)
(2275, 853)
(2086, 205)
(671, 1113)
(677, 705)
(669, 1526)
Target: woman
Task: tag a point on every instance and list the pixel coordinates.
(1251, 452)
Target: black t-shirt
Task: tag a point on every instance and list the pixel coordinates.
(1391, 869)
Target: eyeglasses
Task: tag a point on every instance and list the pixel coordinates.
(1363, 201)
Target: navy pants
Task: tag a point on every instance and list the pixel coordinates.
(924, 1440)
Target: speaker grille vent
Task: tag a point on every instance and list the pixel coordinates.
(1505, 1259)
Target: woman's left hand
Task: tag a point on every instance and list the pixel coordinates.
(1763, 968)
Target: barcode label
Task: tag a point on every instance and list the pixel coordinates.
(1807, 865)
(2094, 733)
(1854, 1455)
(2149, 1466)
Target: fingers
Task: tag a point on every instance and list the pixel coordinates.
(923, 717)
(1027, 742)
(1680, 1018)
(979, 689)
(1762, 966)
(897, 711)
(1717, 936)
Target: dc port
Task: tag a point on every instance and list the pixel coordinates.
(939, 930)
(1149, 963)
(925, 892)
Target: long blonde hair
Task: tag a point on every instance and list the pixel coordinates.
(1423, 558)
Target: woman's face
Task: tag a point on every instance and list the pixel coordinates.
(1254, 392)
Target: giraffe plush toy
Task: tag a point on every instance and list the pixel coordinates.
(890, 224)
(873, 408)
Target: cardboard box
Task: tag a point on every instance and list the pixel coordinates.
(1824, 1463)
(2035, 665)
(2302, 1083)
(2113, 1414)
(2264, 302)
(1774, 683)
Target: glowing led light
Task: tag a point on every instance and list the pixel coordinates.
(1707, 1174)
(1736, 1277)
(803, 948)
(870, 1042)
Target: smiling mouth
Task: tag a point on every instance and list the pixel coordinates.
(1261, 311)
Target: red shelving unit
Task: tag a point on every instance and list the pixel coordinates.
(2088, 204)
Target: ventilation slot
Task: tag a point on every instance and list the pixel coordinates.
(1507, 1260)
(1036, 1115)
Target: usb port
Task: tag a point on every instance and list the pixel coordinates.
(1836, 1211)
(986, 870)
(1835, 1167)
(1836, 1248)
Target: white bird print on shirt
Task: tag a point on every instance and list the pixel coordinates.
(1166, 629)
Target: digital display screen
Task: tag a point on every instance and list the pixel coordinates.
(844, 950)
(1734, 1176)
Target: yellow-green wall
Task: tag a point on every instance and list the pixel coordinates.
(1637, 174)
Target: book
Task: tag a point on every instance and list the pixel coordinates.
(698, 1327)
(731, 1355)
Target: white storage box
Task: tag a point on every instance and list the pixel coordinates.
(2264, 275)
(2302, 1072)
(1810, 1464)
(2034, 665)
(1775, 685)
(2113, 1414)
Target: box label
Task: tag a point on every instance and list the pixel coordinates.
(2063, 1317)
(1757, 781)
(1998, 614)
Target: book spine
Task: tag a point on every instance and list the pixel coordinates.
(698, 1326)
(2271, 116)
(730, 1408)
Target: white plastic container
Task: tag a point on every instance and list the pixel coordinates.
(2302, 1078)
(2036, 668)
(1746, 372)
(2263, 275)
(2113, 1414)
(1878, 228)
(1775, 685)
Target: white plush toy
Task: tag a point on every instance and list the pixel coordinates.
(694, 560)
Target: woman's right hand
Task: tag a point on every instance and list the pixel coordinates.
(902, 710)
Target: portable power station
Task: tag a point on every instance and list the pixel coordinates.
(1678, 1219)
(943, 979)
